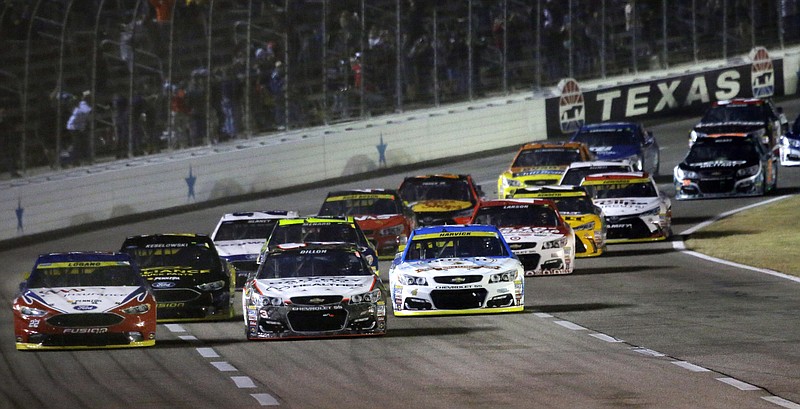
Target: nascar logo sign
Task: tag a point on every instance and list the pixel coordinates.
(570, 106)
(762, 74)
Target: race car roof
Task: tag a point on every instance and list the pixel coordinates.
(608, 178)
(361, 193)
(265, 214)
(517, 201)
(317, 220)
(456, 228)
(337, 246)
(552, 145)
(547, 191)
(739, 101)
(167, 239)
(607, 125)
(83, 256)
(439, 176)
(599, 164)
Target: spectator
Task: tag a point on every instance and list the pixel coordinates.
(229, 103)
(77, 125)
(277, 87)
(179, 111)
(163, 10)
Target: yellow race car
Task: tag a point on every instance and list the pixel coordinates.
(540, 163)
(575, 205)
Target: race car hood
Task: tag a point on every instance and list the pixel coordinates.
(304, 286)
(718, 165)
(728, 127)
(231, 248)
(379, 222)
(627, 206)
(530, 234)
(178, 277)
(539, 171)
(82, 300)
(440, 205)
(615, 152)
(459, 266)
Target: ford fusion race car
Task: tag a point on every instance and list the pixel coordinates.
(189, 279)
(575, 205)
(726, 166)
(456, 269)
(629, 141)
(321, 230)
(540, 163)
(84, 300)
(380, 213)
(313, 290)
(535, 232)
(634, 208)
(239, 237)
(440, 199)
(753, 116)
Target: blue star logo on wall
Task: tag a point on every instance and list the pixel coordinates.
(19, 211)
(190, 184)
(382, 152)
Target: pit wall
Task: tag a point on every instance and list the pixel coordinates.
(75, 197)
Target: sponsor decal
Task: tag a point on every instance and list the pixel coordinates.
(84, 307)
(171, 304)
(158, 271)
(571, 109)
(762, 75)
(163, 284)
(72, 264)
(34, 323)
(85, 330)
(454, 234)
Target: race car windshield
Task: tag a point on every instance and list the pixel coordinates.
(419, 190)
(196, 257)
(359, 207)
(622, 190)
(573, 176)
(611, 137)
(318, 232)
(517, 215)
(721, 152)
(460, 247)
(574, 205)
(110, 276)
(733, 113)
(244, 230)
(313, 263)
(546, 157)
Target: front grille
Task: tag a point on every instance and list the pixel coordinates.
(529, 261)
(458, 299)
(716, 186)
(316, 299)
(631, 228)
(92, 340)
(458, 279)
(308, 321)
(579, 246)
(176, 295)
(85, 320)
(522, 246)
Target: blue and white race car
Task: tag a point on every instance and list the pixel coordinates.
(239, 237)
(611, 141)
(456, 269)
(790, 146)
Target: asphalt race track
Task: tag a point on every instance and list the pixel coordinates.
(644, 326)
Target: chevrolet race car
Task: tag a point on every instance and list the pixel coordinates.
(380, 213)
(753, 116)
(576, 171)
(321, 230)
(540, 163)
(440, 199)
(575, 205)
(239, 237)
(313, 290)
(634, 208)
(189, 279)
(629, 141)
(726, 166)
(456, 269)
(82, 300)
(535, 232)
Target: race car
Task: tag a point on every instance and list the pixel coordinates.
(540, 163)
(726, 165)
(575, 205)
(189, 279)
(380, 213)
(631, 141)
(313, 290)
(634, 208)
(790, 145)
(576, 171)
(82, 300)
(535, 232)
(440, 199)
(456, 269)
(753, 116)
(239, 237)
(320, 230)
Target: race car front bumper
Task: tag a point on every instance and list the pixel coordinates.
(300, 321)
(711, 188)
(411, 300)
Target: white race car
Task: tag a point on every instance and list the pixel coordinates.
(239, 236)
(635, 209)
(535, 232)
(790, 149)
(313, 290)
(456, 269)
